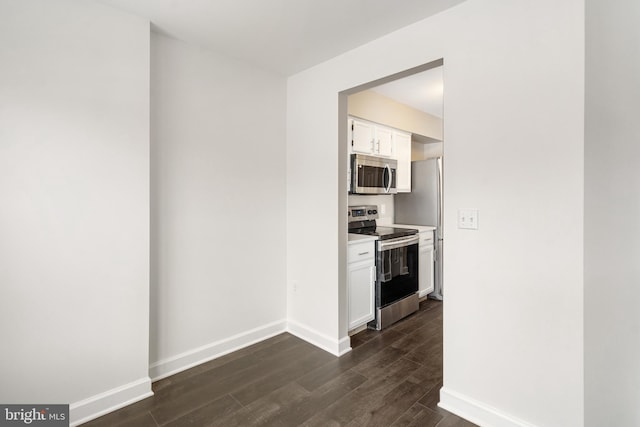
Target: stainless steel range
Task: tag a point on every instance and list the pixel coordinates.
(396, 266)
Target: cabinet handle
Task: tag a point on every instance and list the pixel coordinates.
(378, 146)
(363, 253)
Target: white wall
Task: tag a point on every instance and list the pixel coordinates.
(74, 185)
(513, 289)
(612, 186)
(218, 205)
(370, 105)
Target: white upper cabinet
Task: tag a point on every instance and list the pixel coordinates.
(370, 138)
(362, 137)
(384, 142)
(402, 142)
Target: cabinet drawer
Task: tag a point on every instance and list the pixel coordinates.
(361, 252)
(426, 238)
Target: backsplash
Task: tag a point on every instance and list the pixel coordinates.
(384, 203)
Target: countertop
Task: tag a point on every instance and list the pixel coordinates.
(356, 238)
(420, 228)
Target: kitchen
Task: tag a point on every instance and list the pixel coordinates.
(394, 176)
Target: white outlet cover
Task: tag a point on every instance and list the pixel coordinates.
(468, 219)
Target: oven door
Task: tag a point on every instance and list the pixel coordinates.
(373, 175)
(397, 269)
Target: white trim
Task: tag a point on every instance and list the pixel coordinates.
(109, 401)
(197, 356)
(423, 293)
(320, 340)
(344, 346)
(477, 412)
(360, 328)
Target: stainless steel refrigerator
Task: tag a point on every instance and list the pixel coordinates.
(423, 206)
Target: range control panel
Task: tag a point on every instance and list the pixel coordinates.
(363, 213)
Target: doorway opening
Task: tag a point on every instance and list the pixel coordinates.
(399, 118)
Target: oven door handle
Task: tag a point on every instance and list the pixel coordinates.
(385, 245)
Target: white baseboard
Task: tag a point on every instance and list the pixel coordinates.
(109, 401)
(477, 412)
(320, 340)
(344, 346)
(359, 329)
(191, 358)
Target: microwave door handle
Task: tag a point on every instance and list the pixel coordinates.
(387, 170)
(384, 178)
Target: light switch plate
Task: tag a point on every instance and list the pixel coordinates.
(468, 219)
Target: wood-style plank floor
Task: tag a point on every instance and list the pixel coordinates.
(390, 378)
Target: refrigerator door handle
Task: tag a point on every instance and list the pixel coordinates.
(440, 199)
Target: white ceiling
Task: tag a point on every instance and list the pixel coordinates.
(422, 91)
(285, 36)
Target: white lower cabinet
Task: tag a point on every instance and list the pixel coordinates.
(426, 264)
(361, 283)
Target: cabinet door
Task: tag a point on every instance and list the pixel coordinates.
(426, 267)
(362, 137)
(402, 143)
(384, 141)
(361, 293)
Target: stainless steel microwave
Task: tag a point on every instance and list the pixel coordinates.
(373, 175)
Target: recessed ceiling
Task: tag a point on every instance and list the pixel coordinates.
(422, 91)
(285, 36)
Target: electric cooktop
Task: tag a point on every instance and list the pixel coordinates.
(383, 233)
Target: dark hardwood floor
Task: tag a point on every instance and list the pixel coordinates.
(391, 378)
